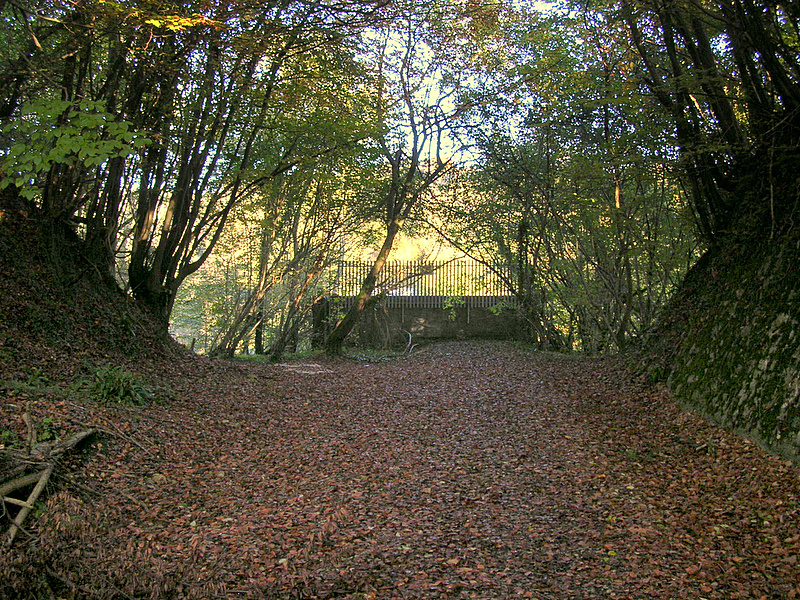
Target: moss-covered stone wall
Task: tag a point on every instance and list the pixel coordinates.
(738, 351)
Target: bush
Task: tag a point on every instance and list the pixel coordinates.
(114, 384)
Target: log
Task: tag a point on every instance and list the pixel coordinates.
(73, 441)
(19, 482)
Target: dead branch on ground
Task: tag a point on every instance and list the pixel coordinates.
(41, 455)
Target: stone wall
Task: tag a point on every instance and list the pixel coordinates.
(384, 326)
(458, 322)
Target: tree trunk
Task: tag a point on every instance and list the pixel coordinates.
(350, 320)
(259, 341)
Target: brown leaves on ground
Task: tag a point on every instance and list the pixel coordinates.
(466, 471)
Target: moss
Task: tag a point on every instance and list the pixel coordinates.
(739, 352)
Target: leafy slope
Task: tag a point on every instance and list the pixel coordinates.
(467, 471)
(58, 314)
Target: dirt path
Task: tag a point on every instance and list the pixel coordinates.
(466, 471)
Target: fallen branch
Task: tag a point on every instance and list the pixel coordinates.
(130, 439)
(18, 483)
(409, 347)
(114, 431)
(44, 453)
(9, 500)
(44, 477)
(70, 443)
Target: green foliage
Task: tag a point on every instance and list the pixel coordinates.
(450, 304)
(116, 385)
(574, 197)
(51, 132)
(46, 430)
(278, 245)
(8, 439)
(500, 307)
(36, 379)
(34, 382)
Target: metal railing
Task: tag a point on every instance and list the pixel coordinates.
(416, 284)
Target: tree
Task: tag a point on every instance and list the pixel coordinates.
(318, 122)
(199, 81)
(220, 133)
(728, 74)
(571, 196)
(416, 78)
(300, 224)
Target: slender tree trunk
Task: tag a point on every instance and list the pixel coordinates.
(259, 341)
(622, 273)
(295, 313)
(350, 320)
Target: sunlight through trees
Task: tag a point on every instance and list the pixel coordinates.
(217, 160)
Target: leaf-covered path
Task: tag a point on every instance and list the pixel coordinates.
(465, 471)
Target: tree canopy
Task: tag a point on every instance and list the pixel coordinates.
(587, 152)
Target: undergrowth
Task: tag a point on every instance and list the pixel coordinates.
(115, 384)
